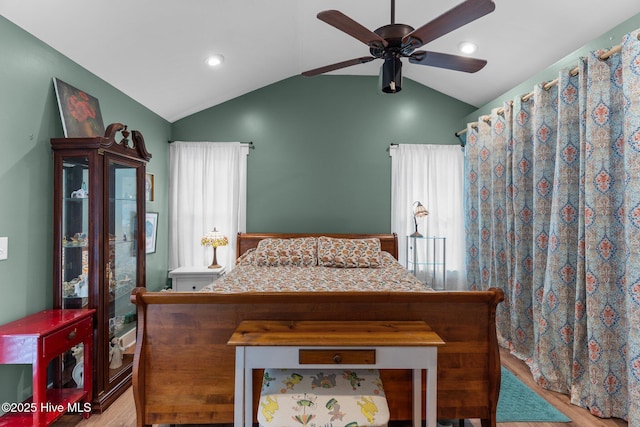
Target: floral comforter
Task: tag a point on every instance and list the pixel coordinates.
(391, 276)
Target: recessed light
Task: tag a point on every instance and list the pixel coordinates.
(215, 60)
(467, 47)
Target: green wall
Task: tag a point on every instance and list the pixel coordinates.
(321, 160)
(28, 119)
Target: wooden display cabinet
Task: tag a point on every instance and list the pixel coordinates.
(99, 244)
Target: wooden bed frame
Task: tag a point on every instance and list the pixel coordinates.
(184, 370)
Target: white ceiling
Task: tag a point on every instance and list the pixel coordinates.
(155, 50)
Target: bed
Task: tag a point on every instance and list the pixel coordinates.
(183, 368)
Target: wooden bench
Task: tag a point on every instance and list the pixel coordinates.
(322, 345)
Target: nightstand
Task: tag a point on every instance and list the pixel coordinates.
(426, 259)
(192, 279)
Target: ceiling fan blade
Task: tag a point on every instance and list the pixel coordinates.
(345, 24)
(338, 65)
(450, 62)
(462, 14)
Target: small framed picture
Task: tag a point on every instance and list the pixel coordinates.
(151, 231)
(80, 112)
(149, 187)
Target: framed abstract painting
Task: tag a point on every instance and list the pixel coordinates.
(80, 112)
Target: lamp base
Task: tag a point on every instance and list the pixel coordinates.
(214, 263)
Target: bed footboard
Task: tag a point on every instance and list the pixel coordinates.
(183, 369)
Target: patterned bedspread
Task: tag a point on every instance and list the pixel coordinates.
(391, 276)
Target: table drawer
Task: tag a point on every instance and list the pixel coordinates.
(192, 284)
(337, 356)
(65, 338)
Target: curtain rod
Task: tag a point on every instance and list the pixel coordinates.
(395, 145)
(250, 143)
(574, 72)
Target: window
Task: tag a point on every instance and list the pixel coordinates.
(432, 175)
(207, 189)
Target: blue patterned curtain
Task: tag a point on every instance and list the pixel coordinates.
(553, 218)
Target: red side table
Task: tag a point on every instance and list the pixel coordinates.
(37, 340)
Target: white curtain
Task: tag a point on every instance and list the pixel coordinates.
(432, 175)
(207, 189)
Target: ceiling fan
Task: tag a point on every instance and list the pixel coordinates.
(394, 41)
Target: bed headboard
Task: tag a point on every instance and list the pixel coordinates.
(246, 241)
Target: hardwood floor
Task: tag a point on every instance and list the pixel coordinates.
(122, 412)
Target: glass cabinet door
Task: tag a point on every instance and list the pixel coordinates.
(75, 232)
(121, 262)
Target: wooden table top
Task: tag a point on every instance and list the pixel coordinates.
(44, 322)
(334, 333)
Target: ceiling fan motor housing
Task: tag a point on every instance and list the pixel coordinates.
(393, 35)
(392, 68)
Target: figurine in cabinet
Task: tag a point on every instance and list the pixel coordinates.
(115, 354)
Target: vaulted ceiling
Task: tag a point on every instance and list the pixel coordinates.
(155, 50)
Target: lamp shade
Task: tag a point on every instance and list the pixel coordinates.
(214, 239)
(420, 211)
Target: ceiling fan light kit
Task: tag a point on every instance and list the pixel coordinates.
(391, 75)
(395, 41)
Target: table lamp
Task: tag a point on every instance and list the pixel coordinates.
(418, 212)
(214, 239)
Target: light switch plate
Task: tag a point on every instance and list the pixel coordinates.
(4, 248)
